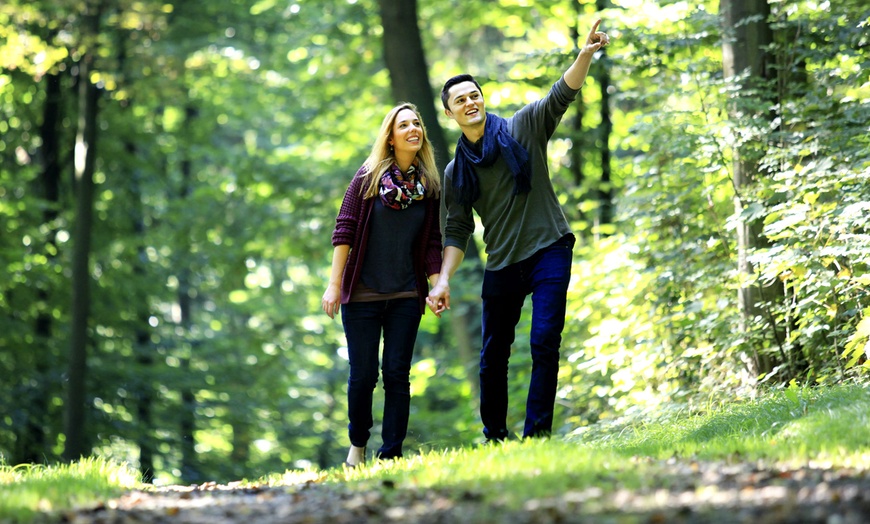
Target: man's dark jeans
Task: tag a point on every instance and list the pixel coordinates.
(363, 322)
(545, 275)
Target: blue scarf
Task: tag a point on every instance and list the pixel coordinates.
(496, 141)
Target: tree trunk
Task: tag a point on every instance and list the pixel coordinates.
(409, 80)
(189, 462)
(409, 74)
(76, 444)
(747, 61)
(142, 390)
(605, 185)
(32, 444)
(577, 137)
(333, 383)
(144, 396)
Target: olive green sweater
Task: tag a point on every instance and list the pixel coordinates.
(514, 227)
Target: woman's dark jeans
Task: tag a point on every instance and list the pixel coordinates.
(545, 275)
(364, 322)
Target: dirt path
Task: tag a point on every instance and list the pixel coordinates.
(686, 493)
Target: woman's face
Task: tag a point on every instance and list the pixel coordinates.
(407, 136)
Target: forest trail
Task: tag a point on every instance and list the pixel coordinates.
(691, 492)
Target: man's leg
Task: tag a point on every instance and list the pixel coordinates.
(502, 305)
(550, 276)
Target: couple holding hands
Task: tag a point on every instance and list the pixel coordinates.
(389, 262)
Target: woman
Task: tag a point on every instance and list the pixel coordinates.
(387, 242)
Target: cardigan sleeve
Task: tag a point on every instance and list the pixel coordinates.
(434, 247)
(349, 214)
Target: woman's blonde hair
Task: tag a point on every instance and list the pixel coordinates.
(383, 156)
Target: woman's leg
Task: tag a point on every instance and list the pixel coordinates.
(362, 326)
(401, 322)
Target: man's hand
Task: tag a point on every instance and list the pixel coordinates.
(596, 39)
(575, 75)
(439, 298)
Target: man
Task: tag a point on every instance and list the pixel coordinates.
(500, 171)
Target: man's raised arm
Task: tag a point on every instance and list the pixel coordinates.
(575, 76)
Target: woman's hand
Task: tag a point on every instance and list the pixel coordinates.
(331, 300)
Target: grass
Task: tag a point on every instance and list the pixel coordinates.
(790, 428)
(824, 427)
(26, 490)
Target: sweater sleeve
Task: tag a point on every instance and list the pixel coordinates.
(545, 114)
(349, 214)
(434, 247)
(459, 222)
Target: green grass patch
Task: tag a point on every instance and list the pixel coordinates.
(825, 427)
(27, 490)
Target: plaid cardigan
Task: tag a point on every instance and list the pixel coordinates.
(352, 228)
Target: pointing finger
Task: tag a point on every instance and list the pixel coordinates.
(591, 37)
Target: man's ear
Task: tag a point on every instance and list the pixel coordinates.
(449, 113)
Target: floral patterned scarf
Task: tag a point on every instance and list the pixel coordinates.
(398, 190)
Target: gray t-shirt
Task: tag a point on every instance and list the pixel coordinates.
(514, 227)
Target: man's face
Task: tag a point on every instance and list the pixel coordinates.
(465, 104)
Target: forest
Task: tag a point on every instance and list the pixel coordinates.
(170, 173)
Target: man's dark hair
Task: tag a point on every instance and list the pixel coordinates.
(458, 79)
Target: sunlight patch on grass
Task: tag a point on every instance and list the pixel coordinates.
(29, 488)
(292, 478)
(509, 473)
(793, 426)
(821, 428)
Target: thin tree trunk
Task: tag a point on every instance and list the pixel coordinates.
(333, 388)
(142, 390)
(605, 186)
(577, 137)
(76, 444)
(32, 448)
(144, 401)
(746, 59)
(142, 350)
(189, 462)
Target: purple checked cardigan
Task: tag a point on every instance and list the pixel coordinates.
(352, 228)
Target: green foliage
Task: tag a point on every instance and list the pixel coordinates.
(678, 217)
